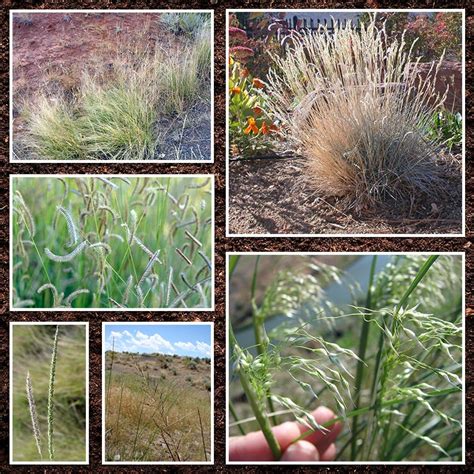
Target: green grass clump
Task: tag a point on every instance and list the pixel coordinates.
(388, 363)
(54, 130)
(118, 121)
(112, 242)
(123, 109)
(52, 360)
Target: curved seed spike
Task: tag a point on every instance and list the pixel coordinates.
(128, 288)
(107, 181)
(75, 294)
(193, 238)
(69, 256)
(132, 228)
(71, 227)
(102, 246)
(208, 262)
(50, 286)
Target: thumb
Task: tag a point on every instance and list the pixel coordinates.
(301, 451)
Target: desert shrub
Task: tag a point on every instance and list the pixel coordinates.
(111, 242)
(354, 105)
(187, 23)
(192, 366)
(387, 361)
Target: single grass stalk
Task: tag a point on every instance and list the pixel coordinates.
(252, 398)
(33, 414)
(236, 418)
(110, 376)
(360, 363)
(52, 378)
(202, 435)
(261, 338)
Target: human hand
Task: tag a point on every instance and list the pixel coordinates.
(317, 446)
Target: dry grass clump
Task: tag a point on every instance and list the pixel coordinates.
(355, 107)
(152, 415)
(116, 110)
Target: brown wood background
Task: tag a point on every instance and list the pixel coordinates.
(223, 244)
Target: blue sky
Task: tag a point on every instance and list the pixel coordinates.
(183, 339)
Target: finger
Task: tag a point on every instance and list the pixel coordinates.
(322, 439)
(254, 446)
(329, 454)
(301, 451)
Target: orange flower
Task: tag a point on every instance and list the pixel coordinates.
(258, 83)
(244, 73)
(252, 127)
(264, 129)
(235, 90)
(257, 110)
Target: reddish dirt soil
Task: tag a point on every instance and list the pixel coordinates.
(63, 43)
(275, 196)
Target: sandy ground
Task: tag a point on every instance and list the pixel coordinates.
(276, 196)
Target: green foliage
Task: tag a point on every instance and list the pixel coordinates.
(249, 124)
(408, 401)
(112, 242)
(446, 127)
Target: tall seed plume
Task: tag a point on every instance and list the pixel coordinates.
(52, 377)
(33, 414)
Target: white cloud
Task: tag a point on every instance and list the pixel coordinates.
(115, 335)
(203, 348)
(155, 342)
(187, 346)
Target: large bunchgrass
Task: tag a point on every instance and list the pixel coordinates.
(117, 110)
(353, 103)
(112, 242)
(49, 413)
(388, 363)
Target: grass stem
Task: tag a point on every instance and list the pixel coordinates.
(52, 378)
(362, 350)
